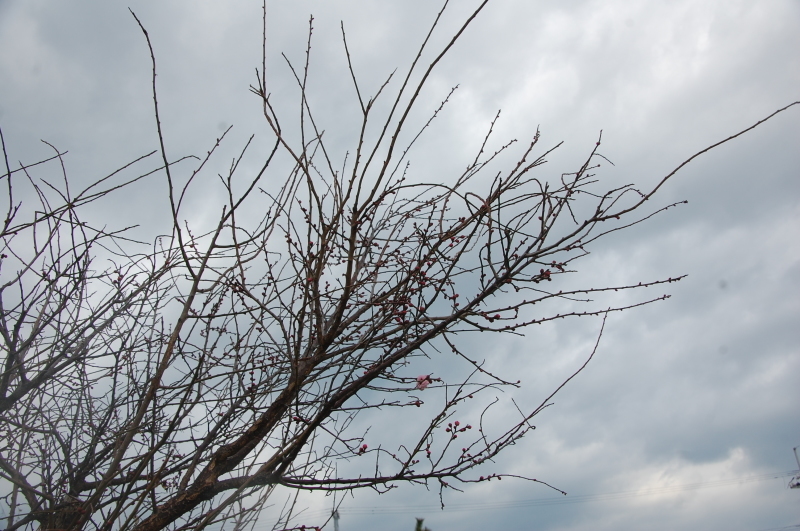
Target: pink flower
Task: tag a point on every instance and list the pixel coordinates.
(423, 382)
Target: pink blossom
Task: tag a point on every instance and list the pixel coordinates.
(423, 381)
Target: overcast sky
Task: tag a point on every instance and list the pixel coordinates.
(687, 417)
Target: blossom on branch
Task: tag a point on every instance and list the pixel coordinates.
(423, 381)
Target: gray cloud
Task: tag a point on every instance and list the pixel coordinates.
(691, 391)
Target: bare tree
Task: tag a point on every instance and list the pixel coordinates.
(181, 385)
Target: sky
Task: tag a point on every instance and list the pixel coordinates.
(687, 416)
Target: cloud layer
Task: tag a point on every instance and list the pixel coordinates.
(686, 399)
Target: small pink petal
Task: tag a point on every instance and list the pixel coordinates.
(423, 381)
